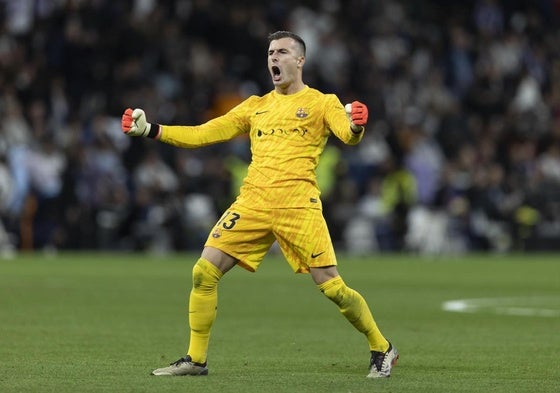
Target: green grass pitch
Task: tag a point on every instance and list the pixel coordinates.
(102, 322)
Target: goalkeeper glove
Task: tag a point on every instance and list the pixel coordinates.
(134, 123)
(358, 115)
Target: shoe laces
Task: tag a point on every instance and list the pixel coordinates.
(178, 362)
(187, 359)
(377, 358)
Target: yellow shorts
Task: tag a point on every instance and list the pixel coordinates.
(247, 234)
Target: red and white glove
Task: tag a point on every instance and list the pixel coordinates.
(134, 123)
(358, 115)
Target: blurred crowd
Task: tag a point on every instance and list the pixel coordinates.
(462, 151)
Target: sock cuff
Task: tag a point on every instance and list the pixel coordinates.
(209, 268)
(331, 283)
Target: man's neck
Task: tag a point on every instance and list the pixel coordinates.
(291, 89)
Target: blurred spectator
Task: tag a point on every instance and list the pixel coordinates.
(154, 184)
(7, 245)
(399, 193)
(46, 164)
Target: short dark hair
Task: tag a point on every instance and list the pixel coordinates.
(288, 34)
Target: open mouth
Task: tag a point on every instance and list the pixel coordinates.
(275, 73)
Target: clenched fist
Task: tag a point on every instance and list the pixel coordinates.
(358, 115)
(134, 123)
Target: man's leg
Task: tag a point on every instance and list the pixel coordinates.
(203, 301)
(351, 304)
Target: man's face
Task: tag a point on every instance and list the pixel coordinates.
(284, 62)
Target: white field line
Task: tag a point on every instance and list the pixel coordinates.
(518, 306)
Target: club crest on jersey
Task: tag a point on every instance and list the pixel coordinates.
(302, 113)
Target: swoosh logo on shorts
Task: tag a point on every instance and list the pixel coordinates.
(260, 112)
(316, 255)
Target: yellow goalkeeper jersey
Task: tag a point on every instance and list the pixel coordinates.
(288, 134)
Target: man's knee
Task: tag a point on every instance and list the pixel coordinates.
(205, 275)
(334, 289)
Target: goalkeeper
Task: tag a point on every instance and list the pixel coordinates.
(278, 201)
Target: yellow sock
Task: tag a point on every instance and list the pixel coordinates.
(203, 302)
(354, 307)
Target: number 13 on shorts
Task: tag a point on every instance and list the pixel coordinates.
(228, 220)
